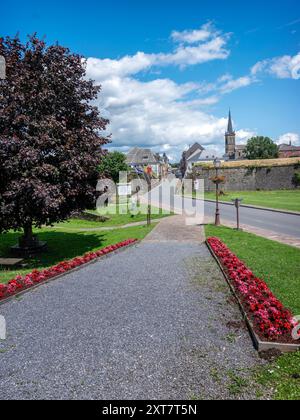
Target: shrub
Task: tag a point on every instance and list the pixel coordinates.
(296, 179)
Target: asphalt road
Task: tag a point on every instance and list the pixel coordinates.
(281, 223)
(276, 222)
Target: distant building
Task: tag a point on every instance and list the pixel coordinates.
(141, 158)
(232, 151)
(164, 164)
(196, 154)
(191, 156)
(288, 151)
(208, 156)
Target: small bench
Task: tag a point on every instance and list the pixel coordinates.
(11, 262)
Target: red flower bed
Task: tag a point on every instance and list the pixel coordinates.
(270, 319)
(20, 283)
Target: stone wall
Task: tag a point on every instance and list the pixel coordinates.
(250, 179)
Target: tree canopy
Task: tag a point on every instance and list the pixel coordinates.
(50, 134)
(261, 148)
(111, 164)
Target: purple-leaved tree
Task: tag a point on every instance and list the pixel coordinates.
(50, 136)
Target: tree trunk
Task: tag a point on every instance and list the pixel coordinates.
(28, 235)
(28, 240)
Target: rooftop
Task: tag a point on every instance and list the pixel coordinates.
(140, 156)
(193, 149)
(288, 148)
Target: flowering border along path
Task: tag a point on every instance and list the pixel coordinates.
(21, 284)
(268, 320)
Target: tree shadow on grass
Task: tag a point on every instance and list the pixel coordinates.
(61, 246)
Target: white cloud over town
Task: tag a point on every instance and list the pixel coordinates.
(165, 115)
(288, 138)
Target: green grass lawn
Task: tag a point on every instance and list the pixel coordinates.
(124, 216)
(279, 266)
(282, 200)
(282, 376)
(64, 245)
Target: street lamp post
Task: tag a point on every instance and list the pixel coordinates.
(147, 174)
(217, 164)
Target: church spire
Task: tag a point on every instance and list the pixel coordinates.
(230, 146)
(230, 127)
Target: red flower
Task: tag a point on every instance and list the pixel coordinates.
(265, 310)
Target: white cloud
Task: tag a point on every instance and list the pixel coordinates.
(214, 48)
(234, 84)
(242, 136)
(162, 114)
(226, 84)
(294, 138)
(190, 55)
(193, 36)
(210, 100)
(128, 65)
(285, 67)
(157, 114)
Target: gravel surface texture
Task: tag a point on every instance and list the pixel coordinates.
(156, 321)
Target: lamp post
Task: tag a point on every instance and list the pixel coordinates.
(147, 174)
(217, 165)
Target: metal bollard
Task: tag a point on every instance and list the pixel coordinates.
(237, 202)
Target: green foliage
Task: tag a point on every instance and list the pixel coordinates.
(112, 163)
(261, 148)
(296, 179)
(50, 135)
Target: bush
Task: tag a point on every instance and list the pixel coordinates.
(296, 179)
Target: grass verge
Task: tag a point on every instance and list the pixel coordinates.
(282, 377)
(65, 245)
(280, 200)
(279, 266)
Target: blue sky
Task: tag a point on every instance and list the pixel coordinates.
(196, 59)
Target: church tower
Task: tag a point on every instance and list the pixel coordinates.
(230, 139)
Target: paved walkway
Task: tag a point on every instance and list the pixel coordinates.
(155, 321)
(174, 229)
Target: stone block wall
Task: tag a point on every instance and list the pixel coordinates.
(250, 179)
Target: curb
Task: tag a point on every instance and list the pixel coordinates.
(59, 276)
(260, 345)
(249, 206)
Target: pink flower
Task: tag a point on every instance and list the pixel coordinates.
(267, 312)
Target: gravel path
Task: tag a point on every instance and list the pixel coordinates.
(155, 321)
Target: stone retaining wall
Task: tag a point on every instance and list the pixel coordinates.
(252, 178)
